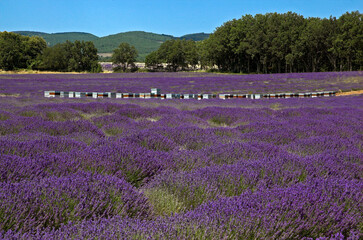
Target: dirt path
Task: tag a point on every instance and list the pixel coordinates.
(349, 93)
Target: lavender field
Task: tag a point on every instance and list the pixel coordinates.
(181, 169)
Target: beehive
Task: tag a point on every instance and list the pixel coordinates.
(156, 94)
(155, 91)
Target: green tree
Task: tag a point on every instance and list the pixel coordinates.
(33, 47)
(260, 42)
(90, 57)
(125, 55)
(153, 60)
(11, 51)
(175, 56)
(349, 40)
(17, 51)
(312, 42)
(245, 48)
(176, 53)
(204, 58)
(54, 58)
(79, 56)
(191, 53)
(219, 50)
(82, 56)
(292, 25)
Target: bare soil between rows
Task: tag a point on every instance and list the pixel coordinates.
(349, 93)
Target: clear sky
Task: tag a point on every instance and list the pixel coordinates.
(174, 17)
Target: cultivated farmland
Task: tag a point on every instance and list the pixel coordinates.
(181, 169)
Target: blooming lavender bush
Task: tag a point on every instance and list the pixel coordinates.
(184, 169)
(51, 202)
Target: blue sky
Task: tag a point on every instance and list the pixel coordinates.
(174, 17)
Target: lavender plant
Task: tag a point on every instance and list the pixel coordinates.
(184, 169)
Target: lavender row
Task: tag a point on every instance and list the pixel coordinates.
(319, 209)
(203, 83)
(150, 169)
(52, 202)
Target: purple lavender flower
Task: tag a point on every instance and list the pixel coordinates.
(180, 169)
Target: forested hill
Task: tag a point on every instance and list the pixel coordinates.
(144, 42)
(195, 36)
(54, 38)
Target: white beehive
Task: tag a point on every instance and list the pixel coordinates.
(47, 94)
(155, 91)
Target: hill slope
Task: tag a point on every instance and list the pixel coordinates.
(144, 42)
(196, 36)
(54, 38)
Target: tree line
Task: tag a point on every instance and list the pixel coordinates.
(271, 43)
(19, 52)
(264, 43)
